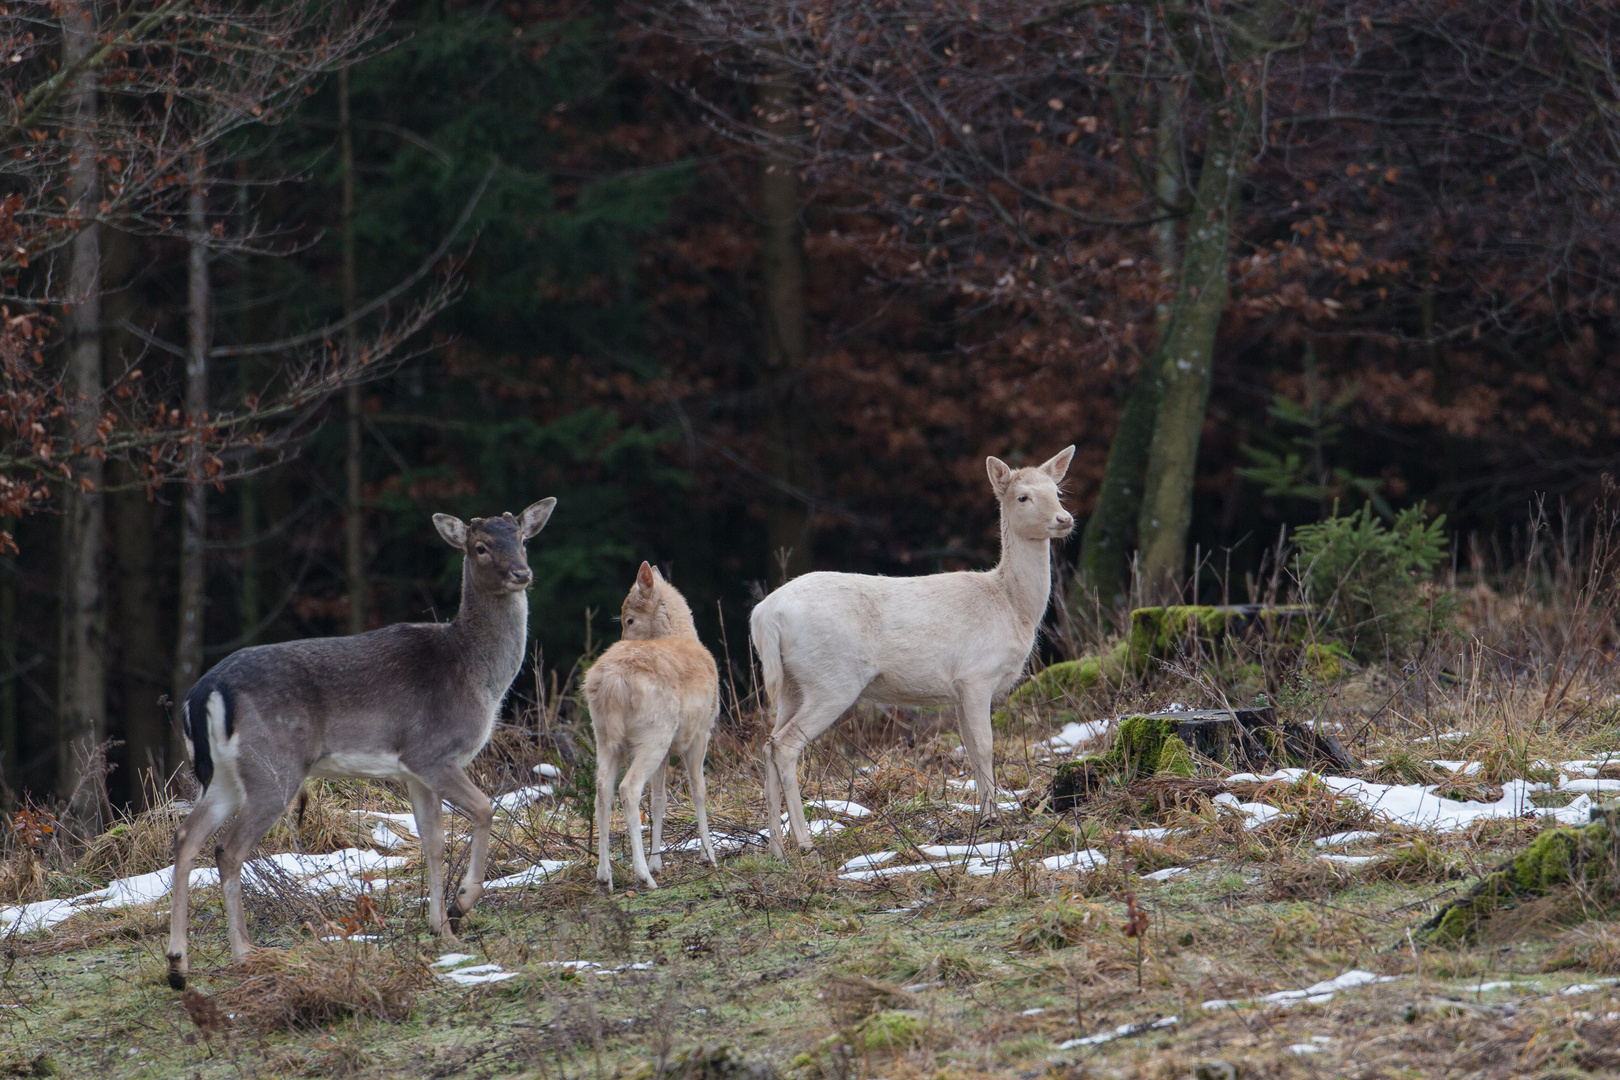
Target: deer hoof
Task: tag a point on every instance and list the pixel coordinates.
(177, 978)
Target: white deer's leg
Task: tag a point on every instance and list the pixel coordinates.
(462, 792)
(773, 800)
(636, 775)
(208, 815)
(788, 742)
(659, 782)
(692, 757)
(607, 774)
(260, 810)
(430, 828)
(973, 724)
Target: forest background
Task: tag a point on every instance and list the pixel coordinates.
(753, 287)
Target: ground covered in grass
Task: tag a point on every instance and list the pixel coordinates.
(1213, 920)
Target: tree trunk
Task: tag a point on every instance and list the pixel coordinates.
(1189, 345)
(81, 660)
(188, 651)
(10, 774)
(354, 538)
(142, 660)
(786, 330)
(142, 663)
(1105, 544)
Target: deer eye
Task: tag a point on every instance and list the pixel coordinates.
(629, 620)
(481, 549)
(1023, 498)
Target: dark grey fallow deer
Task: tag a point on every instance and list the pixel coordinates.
(413, 702)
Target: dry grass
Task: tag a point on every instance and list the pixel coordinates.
(320, 983)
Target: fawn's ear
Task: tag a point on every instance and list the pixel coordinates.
(645, 578)
(535, 517)
(1059, 464)
(1000, 474)
(453, 529)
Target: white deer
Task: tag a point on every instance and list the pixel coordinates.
(827, 640)
(413, 702)
(654, 690)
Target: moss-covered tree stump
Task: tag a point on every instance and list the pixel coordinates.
(1167, 633)
(1164, 744)
(1588, 856)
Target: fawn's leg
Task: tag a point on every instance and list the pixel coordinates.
(660, 803)
(607, 773)
(644, 761)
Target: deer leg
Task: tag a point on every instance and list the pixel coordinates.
(259, 813)
(203, 821)
(645, 760)
(773, 800)
(430, 829)
(692, 757)
(660, 803)
(973, 724)
(788, 741)
(464, 793)
(607, 774)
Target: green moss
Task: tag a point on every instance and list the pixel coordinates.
(1141, 742)
(887, 1031)
(1324, 662)
(1556, 857)
(1176, 759)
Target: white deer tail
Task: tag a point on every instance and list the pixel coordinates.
(767, 637)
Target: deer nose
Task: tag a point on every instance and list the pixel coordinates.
(1064, 519)
(520, 577)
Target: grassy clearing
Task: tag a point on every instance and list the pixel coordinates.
(759, 965)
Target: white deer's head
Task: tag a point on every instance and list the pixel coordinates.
(1031, 506)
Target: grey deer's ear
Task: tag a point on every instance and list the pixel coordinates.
(453, 529)
(1000, 474)
(532, 520)
(1059, 464)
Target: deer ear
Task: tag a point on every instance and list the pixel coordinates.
(535, 517)
(1000, 474)
(645, 578)
(1059, 464)
(453, 529)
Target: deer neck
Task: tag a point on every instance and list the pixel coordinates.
(492, 630)
(1025, 574)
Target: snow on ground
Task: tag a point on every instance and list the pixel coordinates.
(1319, 994)
(339, 871)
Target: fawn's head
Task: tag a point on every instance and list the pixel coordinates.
(1031, 506)
(654, 609)
(496, 561)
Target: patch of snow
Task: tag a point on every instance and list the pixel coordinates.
(1085, 859)
(1343, 839)
(453, 959)
(534, 875)
(479, 974)
(1594, 786)
(1416, 804)
(839, 806)
(1167, 874)
(1304, 1048)
(1466, 768)
(886, 871)
(1350, 860)
(1076, 734)
(866, 862)
(522, 797)
(977, 851)
(1157, 832)
(1120, 1032)
(550, 772)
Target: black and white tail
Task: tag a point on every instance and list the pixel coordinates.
(208, 708)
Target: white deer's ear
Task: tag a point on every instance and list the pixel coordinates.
(645, 577)
(1059, 464)
(1000, 474)
(535, 517)
(453, 529)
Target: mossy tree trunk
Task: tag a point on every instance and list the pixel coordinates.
(1225, 77)
(1105, 545)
